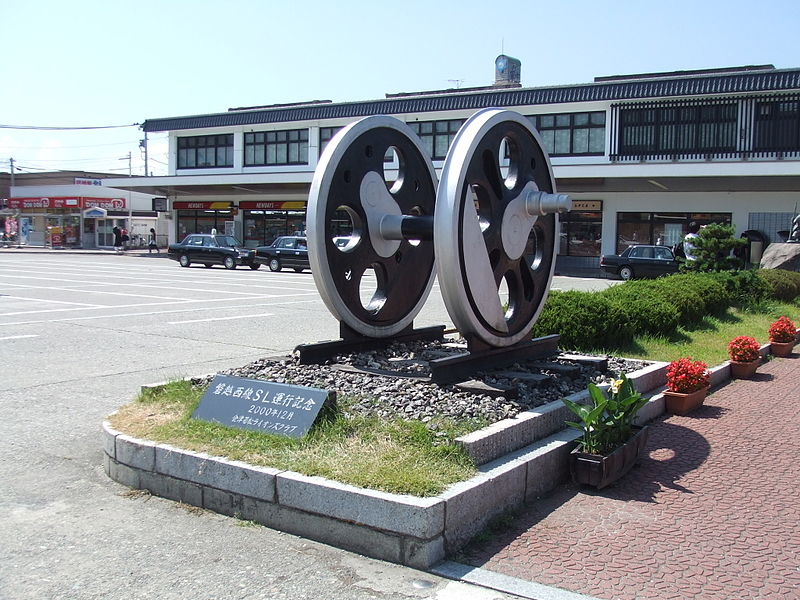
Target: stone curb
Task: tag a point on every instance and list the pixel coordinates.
(508, 435)
(413, 531)
(418, 532)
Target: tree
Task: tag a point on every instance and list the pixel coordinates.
(713, 248)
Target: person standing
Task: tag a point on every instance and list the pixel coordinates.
(117, 239)
(688, 241)
(152, 244)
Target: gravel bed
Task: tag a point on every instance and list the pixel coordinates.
(410, 396)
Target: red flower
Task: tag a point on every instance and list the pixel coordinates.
(686, 375)
(743, 349)
(782, 330)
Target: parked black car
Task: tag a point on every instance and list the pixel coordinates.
(208, 250)
(288, 251)
(640, 261)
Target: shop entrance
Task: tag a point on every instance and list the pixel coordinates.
(105, 234)
(63, 231)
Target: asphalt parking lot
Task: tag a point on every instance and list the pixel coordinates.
(79, 334)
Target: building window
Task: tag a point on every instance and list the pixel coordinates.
(580, 233)
(572, 134)
(201, 221)
(205, 151)
(289, 147)
(662, 229)
(326, 135)
(678, 129)
(436, 136)
(777, 125)
(261, 227)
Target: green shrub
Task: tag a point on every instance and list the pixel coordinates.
(745, 288)
(645, 308)
(713, 293)
(713, 248)
(584, 320)
(782, 285)
(678, 291)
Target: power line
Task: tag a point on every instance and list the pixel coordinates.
(43, 128)
(70, 147)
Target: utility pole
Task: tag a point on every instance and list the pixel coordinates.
(143, 146)
(130, 204)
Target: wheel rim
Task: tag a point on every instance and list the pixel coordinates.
(184, 261)
(475, 264)
(274, 264)
(404, 272)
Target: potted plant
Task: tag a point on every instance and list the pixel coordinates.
(688, 381)
(610, 443)
(782, 335)
(745, 356)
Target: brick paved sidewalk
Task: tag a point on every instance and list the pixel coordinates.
(712, 512)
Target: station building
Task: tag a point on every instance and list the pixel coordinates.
(641, 155)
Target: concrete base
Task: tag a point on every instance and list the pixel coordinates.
(520, 459)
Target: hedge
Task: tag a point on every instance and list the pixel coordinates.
(584, 320)
(782, 285)
(611, 318)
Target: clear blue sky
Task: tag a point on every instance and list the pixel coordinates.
(93, 63)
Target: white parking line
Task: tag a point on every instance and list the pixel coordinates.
(82, 304)
(220, 319)
(17, 337)
(148, 313)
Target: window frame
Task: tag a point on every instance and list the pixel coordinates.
(679, 129)
(276, 147)
(567, 124)
(437, 135)
(190, 147)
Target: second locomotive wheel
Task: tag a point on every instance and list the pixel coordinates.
(495, 228)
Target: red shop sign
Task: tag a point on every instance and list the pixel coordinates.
(66, 202)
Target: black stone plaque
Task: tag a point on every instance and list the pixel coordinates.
(264, 406)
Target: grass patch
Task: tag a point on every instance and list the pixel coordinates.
(394, 456)
(708, 339)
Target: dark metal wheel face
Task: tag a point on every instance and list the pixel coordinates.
(372, 168)
(495, 272)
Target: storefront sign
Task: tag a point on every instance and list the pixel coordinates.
(85, 181)
(47, 203)
(274, 408)
(160, 205)
(272, 205)
(55, 236)
(588, 205)
(107, 203)
(202, 205)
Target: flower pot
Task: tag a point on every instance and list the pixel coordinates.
(744, 370)
(781, 348)
(682, 404)
(599, 471)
